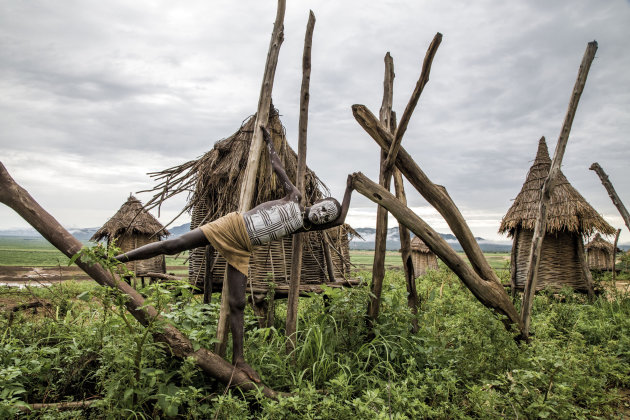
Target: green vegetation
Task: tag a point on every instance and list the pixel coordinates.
(35, 252)
(461, 364)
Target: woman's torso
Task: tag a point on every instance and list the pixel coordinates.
(267, 223)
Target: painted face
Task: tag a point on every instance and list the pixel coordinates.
(322, 212)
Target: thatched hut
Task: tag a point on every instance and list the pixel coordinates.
(132, 226)
(569, 219)
(215, 182)
(422, 257)
(599, 254)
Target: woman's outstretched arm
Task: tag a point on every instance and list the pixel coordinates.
(193, 239)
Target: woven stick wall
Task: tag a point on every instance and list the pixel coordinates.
(422, 258)
(423, 262)
(339, 242)
(152, 265)
(560, 264)
(599, 254)
(599, 259)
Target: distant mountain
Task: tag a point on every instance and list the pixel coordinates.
(178, 230)
(393, 241)
(367, 243)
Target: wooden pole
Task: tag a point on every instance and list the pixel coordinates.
(614, 256)
(405, 253)
(249, 179)
(21, 201)
(298, 239)
(612, 193)
(488, 292)
(541, 221)
(380, 242)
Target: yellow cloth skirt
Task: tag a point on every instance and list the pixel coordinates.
(229, 237)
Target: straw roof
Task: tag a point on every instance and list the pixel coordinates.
(130, 218)
(418, 245)
(599, 243)
(216, 177)
(567, 209)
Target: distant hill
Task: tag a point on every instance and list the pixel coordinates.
(393, 241)
(367, 243)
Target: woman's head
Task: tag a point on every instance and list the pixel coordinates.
(324, 211)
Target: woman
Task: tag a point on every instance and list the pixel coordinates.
(234, 234)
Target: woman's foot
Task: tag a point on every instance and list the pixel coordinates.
(242, 365)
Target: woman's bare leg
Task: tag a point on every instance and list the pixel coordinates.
(237, 283)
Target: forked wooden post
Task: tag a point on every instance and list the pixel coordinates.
(387, 163)
(249, 179)
(298, 239)
(380, 242)
(16, 197)
(541, 221)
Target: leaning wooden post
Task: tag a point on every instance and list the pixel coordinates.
(249, 179)
(380, 242)
(612, 193)
(298, 239)
(16, 197)
(547, 188)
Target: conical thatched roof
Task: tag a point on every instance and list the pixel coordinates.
(599, 243)
(216, 177)
(567, 209)
(418, 245)
(130, 218)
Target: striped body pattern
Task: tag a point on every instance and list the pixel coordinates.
(266, 225)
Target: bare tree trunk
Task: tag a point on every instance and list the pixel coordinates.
(21, 201)
(298, 239)
(488, 292)
(547, 188)
(249, 180)
(612, 193)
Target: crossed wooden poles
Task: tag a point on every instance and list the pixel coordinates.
(480, 279)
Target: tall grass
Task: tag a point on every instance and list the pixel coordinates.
(461, 364)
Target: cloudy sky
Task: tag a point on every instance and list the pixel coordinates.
(96, 94)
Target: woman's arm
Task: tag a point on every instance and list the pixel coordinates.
(193, 239)
(289, 188)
